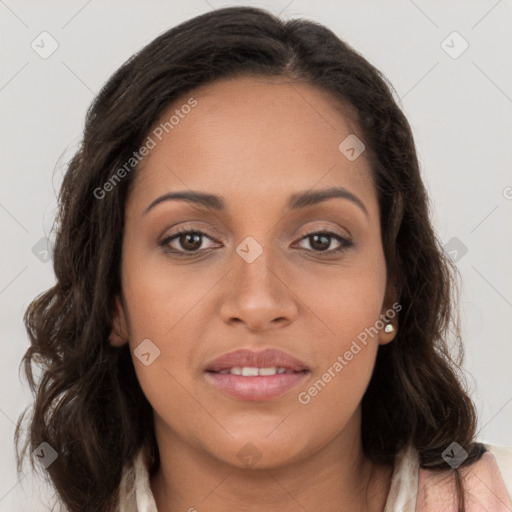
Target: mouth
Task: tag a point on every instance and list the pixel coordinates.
(254, 371)
(256, 376)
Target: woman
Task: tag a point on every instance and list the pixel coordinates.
(251, 306)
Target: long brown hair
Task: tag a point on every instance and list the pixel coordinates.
(88, 403)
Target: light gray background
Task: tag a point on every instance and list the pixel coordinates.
(460, 111)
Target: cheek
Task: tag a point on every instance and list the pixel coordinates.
(346, 361)
(161, 300)
(340, 382)
(162, 323)
(168, 309)
(346, 306)
(347, 315)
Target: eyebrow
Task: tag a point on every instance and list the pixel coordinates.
(296, 201)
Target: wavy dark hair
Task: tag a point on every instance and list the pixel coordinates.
(88, 404)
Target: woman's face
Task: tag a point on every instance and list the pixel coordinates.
(253, 280)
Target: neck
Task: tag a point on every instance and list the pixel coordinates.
(338, 476)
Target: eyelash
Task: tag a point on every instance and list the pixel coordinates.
(345, 243)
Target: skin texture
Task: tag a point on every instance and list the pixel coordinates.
(255, 142)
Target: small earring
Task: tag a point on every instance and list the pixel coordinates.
(389, 328)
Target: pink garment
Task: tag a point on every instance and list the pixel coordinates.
(485, 489)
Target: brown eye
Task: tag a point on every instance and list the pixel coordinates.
(190, 241)
(320, 241)
(184, 242)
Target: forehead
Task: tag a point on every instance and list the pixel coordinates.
(253, 141)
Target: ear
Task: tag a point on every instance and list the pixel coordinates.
(389, 314)
(119, 333)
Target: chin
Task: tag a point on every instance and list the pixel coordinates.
(259, 451)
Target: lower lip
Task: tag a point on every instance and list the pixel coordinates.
(257, 389)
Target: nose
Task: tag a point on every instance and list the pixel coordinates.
(258, 296)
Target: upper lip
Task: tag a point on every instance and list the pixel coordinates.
(267, 358)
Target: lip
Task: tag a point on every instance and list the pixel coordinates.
(259, 388)
(263, 359)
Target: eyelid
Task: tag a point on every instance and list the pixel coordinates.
(327, 226)
(324, 226)
(202, 227)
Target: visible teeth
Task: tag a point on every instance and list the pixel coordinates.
(268, 371)
(253, 371)
(250, 371)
